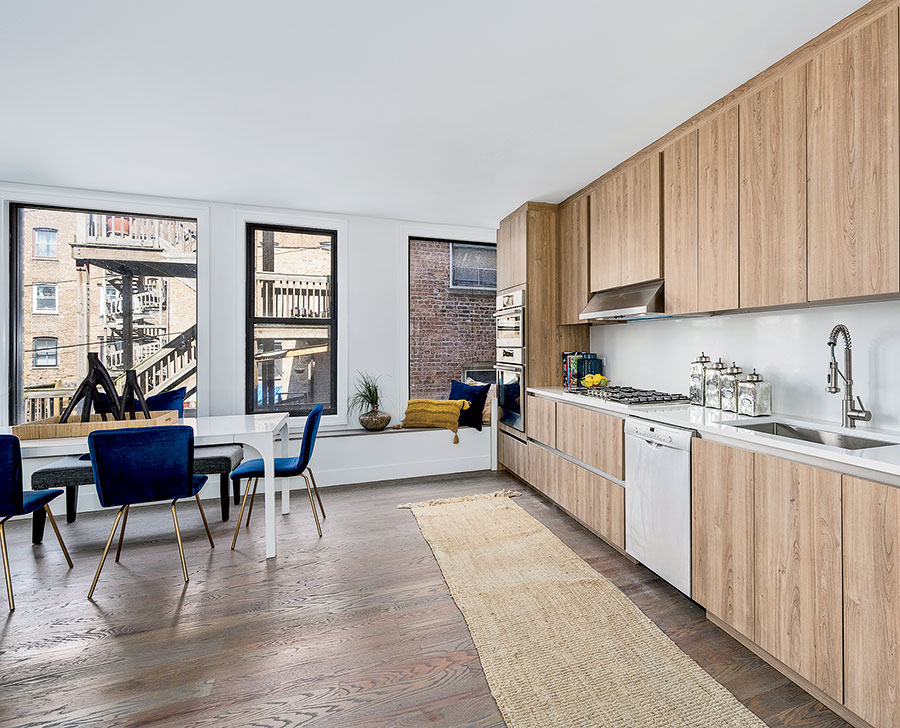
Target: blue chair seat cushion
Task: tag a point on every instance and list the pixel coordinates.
(32, 501)
(284, 468)
(198, 482)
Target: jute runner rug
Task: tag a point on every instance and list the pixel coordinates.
(559, 643)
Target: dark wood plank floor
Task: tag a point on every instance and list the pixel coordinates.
(354, 629)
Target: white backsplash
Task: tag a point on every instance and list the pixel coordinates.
(787, 347)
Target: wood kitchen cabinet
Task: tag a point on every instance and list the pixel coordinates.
(853, 164)
(512, 250)
(798, 572)
(542, 470)
(593, 438)
(540, 416)
(595, 501)
(512, 453)
(625, 230)
(574, 270)
(722, 532)
(772, 201)
(680, 225)
(871, 514)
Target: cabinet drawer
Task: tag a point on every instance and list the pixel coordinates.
(512, 454)
(540, 419)
(593, 438)
(542, 470)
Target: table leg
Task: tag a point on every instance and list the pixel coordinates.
(283, 449)
(267, 451)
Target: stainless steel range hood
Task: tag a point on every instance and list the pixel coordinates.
(640, 301)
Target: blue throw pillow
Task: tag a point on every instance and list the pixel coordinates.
(476, 396)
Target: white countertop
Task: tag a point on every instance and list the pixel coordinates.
(879, 463)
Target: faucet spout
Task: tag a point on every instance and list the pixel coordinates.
(849, 413)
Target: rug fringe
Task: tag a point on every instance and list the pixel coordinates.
(505, 493)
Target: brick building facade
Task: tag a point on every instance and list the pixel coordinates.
(448, 328)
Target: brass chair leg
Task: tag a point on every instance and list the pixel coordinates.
(180, 545)
(9, 591)
(105, 551)
(205, 524)
(312, 503)
(122, 532)
(316, 489)
(252, 499)
(237, 526)
(59, 537)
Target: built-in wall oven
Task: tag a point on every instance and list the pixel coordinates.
(510, 364)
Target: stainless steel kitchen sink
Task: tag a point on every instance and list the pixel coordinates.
(823, 437)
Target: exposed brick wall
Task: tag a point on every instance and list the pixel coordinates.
(448, 329)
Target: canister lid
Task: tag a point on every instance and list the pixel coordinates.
(733, 369)
(718, 365)
(702, 359)
(754, 377)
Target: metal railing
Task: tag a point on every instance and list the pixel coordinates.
(280, 295)
(146, 232)
(175, 362)
(44, 402)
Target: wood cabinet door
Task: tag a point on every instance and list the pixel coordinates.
(540, 419)
(574, 268)
(722, 533)
(606, 231)
(798, 572)
(518, 245)
(593, 438)
(772, 163)
(502, 256)
(717, 220)
(680, 224)
(600, 505)
(512, 454)
(641, 243)
(542, 470)
(854, 169)
(872, 601)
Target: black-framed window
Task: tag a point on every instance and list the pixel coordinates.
(44, 351)
(473, 267)
(291, 341)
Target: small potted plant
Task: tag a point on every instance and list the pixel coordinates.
(366, 400)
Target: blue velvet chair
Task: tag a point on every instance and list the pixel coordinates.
(144, 465)
(15, 502)
(284, 468)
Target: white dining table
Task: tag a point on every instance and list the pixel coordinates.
(267, 434)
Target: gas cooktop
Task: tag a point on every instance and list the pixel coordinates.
(632, 396)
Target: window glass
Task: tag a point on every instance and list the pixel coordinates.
(44, 352)
(45, 298)
(291, 358)
(44, 243)
(473, 266)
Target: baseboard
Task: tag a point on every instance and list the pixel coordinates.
(829, 702)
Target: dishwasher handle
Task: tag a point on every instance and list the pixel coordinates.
(658, 434)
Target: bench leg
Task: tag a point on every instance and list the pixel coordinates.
(37, 525)
(236, 487)
(224, 496)
(71, 503)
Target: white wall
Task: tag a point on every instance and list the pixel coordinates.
(786, 347)
(373, 301)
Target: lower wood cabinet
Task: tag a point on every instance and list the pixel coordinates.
(540, 419)
(797, 519)
(722, 533)
(591, 437)
(512, 454)
(871, 513)
(542, 470)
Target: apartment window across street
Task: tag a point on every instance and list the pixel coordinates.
(44, 351)
(122, 286)
(45, 242)
(44, 298)
(473, 266)
(292, 321)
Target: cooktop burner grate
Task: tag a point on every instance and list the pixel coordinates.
(631, 395)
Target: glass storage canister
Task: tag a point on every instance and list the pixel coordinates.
(698, 369)
(712, 394)
(754, 396)
(728, 386)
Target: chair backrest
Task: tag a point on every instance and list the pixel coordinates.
(142, 464)
(10, 476)
(310, 429)
(171, 400)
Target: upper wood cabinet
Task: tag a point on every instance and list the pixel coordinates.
(717, 217)
(680, 225)
(574, 270)
(512, 250)
(722, 533)
(772, 164)
(853, 163)
(798, 573)
(871, 513)
(625, 230)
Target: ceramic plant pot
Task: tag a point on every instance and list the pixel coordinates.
(374, 419)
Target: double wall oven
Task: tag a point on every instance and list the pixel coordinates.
(510, 364)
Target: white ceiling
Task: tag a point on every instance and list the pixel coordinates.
(452, 112)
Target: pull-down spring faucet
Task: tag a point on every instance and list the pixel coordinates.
(849, 414)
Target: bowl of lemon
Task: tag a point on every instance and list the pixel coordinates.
(594, 380)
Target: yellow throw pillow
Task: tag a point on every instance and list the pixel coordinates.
(435, 413)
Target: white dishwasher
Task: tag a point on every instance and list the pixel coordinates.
(658, 499)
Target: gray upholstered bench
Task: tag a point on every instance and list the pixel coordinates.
(74, 471)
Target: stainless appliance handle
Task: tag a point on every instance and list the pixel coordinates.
(509, 367)
(509, 311)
